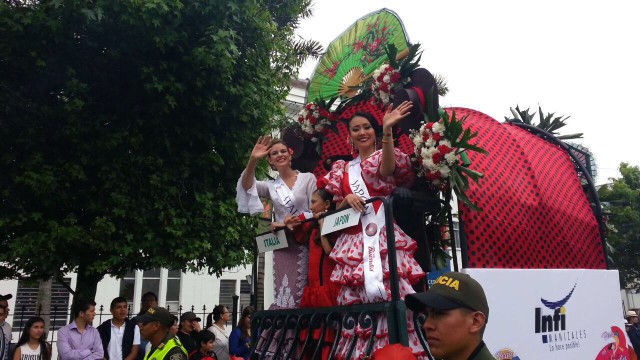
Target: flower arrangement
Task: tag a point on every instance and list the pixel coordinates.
(316, 119)
(383, 84)
(440, 147)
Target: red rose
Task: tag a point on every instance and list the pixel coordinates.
(300, 119)
(313, 120)
(429, 125)
(437, 157)
(437, 136)
(308, 106)
(384, 87)
(444, 149)
(380, 77)
(395, 77)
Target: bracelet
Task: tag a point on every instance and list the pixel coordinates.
(387, 134)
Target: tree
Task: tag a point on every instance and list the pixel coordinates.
(621, 204)
(124, 126)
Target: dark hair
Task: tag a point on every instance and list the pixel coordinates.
(81, 305)
(24, 338)
(117, 301)
(325, 196)
(204, 336)
(245, 331)
(150, 293)
(217, 312)
(372, 120)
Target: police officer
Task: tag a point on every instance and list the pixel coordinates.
(457, 313)
(154, 326)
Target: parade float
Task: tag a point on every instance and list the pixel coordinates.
(530, 222)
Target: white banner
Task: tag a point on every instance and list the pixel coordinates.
(554, 314)
(271, 241)
(340, 220)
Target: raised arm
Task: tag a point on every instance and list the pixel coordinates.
(260, 150)
(391, 118)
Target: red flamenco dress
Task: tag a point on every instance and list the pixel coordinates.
(348, 253)
(320, 291)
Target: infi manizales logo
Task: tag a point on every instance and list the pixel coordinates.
(552, 323)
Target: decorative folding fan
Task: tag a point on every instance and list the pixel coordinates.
(355, 54)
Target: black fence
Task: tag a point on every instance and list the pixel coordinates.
(59, 317)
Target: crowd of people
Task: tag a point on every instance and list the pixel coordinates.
(154, 334)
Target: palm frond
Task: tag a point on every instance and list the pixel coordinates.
(441, 82)
(307, 48)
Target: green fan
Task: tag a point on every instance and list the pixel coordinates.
(355, 54)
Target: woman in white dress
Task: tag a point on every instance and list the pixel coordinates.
(33, 342)
(290, 194)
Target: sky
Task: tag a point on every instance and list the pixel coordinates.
(576, 58)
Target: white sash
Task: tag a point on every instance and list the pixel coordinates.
(371, 224)
(286, 197)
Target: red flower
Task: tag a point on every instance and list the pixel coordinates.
(313, 120)
(309, 106)
(380, 77)
(384, 87)
(436, 136)
(432, 175)
(444, 149)
(395, 77)
(429, 125)
(300, 119)
(357, 46)
(437, 157)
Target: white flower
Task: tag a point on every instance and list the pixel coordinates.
(437, 127)
(430, 143)
(417, 141)
(445, 142)
(451, 158)
(444, 171)
(386, 78)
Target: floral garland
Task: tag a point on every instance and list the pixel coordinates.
(440, 148)
(315, 120)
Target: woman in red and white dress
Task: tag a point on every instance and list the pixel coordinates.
(360, 252)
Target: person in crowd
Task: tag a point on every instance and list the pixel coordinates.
(240, 338)
(154, 326)
(33, 344)
(633, 331)
(187, 331)
(362, 268)
(205, 341)
(79, 340)
(5, 327)
(290, 194)
(173, 331)
(320, 290)
(221, 345)
(4, 342)
(457, 313)
(120, 336)
(148, 300)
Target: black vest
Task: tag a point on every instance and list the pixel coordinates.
(127, 340)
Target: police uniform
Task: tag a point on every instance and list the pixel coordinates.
(169, 349)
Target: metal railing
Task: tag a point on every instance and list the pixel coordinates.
(287, 333)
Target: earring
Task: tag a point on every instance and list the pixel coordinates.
(350, 143)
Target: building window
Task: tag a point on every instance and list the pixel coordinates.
(227, 290)
(245, 295)
(162, 282)
(26, 304)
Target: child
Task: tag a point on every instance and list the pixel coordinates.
(204, 341)
(33, 342)
(320, 291)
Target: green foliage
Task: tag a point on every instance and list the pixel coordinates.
(549, 122)
(124, 126)
(621, 205)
